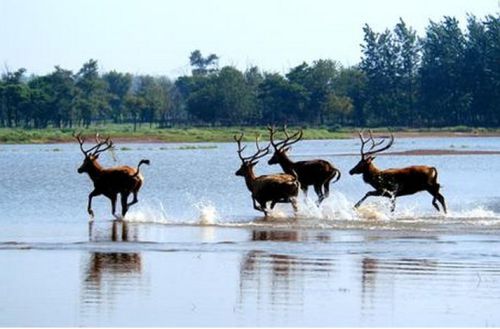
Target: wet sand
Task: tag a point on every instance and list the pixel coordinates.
(159, 275)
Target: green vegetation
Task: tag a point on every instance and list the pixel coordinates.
(169, 135)
(448, 77)
(124, 133)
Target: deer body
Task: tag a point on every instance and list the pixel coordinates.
(392, 182)
(277, 188)
(404, 181)
(110, 182)
(318, 173)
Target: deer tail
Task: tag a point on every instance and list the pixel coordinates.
(435, 178)
(143, 161)
(337, 175)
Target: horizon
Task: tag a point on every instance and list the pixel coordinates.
(130, 36)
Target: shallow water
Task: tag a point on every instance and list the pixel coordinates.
(194, 252)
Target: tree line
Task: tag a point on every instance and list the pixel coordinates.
(447, 77)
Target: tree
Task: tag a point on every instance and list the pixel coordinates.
(203, 65)
(282, 100)
(379, 66)
(237, 103)
(14, 96)
(117, 86)
(91, 93)
(442, 86)
(408, 61)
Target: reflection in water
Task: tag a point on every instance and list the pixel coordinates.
(119, 231)
(109, 276)
(270, 280)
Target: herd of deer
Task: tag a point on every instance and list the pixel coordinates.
(274, 188)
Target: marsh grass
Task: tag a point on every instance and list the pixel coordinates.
(125, 132)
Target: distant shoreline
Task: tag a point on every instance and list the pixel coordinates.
(125, 134)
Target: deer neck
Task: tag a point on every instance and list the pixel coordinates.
(95, 171)
(371, 174)
(286, 163)
(250, 179)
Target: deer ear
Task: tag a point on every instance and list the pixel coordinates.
(96, 156)
(370, 159)
(287, 149)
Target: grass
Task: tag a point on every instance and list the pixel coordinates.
(144, 133)
(124, 132)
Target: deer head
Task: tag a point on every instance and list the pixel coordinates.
(92, 154)
(368, 156)
(280, 148)
(247, 163)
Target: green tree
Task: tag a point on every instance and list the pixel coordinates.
(442, 86)
(203, 65)
(282, 100)
(91, 93)
(408, 61)
(118, 86)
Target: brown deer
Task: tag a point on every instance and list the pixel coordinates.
(276, 188)
(318, 173)
(392, 183)
(110, 182)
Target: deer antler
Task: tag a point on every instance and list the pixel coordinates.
(240, 149)
(272, 131)
(107, 143)
(286, 142)
(296, 136)
(94, 149)
(261, 152)
(81, 140)
(373, 149)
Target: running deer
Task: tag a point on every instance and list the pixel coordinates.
(392, 183)
(110, 182)
(318, 173)
(276, 188)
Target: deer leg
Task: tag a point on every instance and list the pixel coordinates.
(393, 203)
(304, 189)
(321, 196)
(89, 206)
(440, 198)
(326, 187)
(124, 197)
(257, 206)
(134, 200)
(371, 193)
(293, 201)
(112, 198)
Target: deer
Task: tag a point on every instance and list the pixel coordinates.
(392, 183)
(318, 173)
(274, 188)
(110, 182)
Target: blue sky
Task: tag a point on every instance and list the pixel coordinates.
(156, 37)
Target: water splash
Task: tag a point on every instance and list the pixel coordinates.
(372, 212)
(339, 207)
(208, 214)
(148, 213)
(337, 211)
(479, 212)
